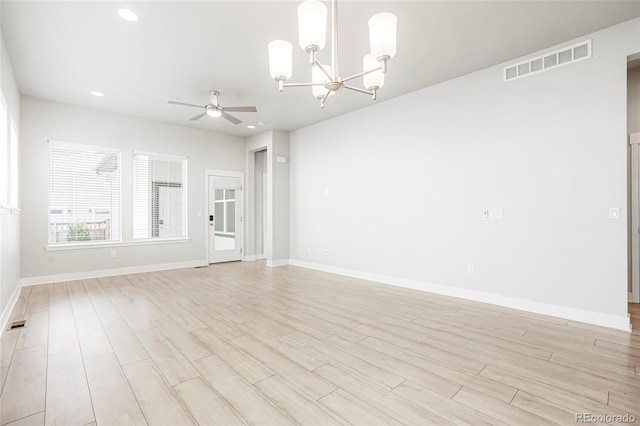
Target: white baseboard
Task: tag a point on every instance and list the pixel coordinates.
(253, 257)
(590, 317)
(85, 275)
(276, 263)
(6, 312)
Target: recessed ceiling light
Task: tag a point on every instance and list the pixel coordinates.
(96, 93)
(251, 126)
(260, 123)
(127, 15)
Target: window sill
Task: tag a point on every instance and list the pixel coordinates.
(9, 210)
(155, 241)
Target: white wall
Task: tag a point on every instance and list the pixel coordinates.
(409, 179)
(43, 120)
(9, 221)
(280, 187)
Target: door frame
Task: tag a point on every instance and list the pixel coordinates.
(230, 174)
(634, 141)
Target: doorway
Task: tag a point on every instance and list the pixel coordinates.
(633, 130)
(224, 216)
(259, 203)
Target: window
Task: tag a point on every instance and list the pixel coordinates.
(13, 166)
(4, 157)
(159, 196)
(84, 193)
(225, 205)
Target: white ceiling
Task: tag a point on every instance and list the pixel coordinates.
(179, 50)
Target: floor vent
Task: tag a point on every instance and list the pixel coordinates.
(566, 55)
(17, 324)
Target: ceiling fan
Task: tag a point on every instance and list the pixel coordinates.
(214, 109)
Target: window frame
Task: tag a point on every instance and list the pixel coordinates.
(91, 243)
(5, 161)
(13, 178)
(152, 193)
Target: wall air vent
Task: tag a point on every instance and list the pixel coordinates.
(564, 56)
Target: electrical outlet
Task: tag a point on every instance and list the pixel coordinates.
(471, 269)
(496, 213)
(493, 213)
(113, 253)
(614, 212)
(328, 252)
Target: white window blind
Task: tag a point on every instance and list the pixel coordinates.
(13, 166)
(159, 196)
(84, 193)
(4, 154)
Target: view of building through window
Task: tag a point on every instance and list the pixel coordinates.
(159, 196)
(84, 194)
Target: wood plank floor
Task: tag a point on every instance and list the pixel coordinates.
(240, 343)
(634, 310)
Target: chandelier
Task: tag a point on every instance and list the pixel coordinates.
(325, 79)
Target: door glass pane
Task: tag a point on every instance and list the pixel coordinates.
(230, 194)
(219, 194)
(219, 217)
(231, 216)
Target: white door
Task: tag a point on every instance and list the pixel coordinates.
(225, 225)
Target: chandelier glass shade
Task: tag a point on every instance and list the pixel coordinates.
(312, 24)
(325, 79)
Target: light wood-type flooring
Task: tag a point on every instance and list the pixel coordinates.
(634, 311)
(241, 343)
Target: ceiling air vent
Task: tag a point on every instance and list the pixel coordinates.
(560, 57)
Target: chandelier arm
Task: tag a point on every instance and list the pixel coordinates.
(356, 89)
(334, 38)
(324, 98)
(302, 84)
(360, 74)
(324, 71)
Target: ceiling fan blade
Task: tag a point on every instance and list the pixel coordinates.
(182, 103)
(231, 118)
(241, 109)
(198, 117)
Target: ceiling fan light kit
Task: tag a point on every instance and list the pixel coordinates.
(325, 79)
(212, 112)
(215, 110)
